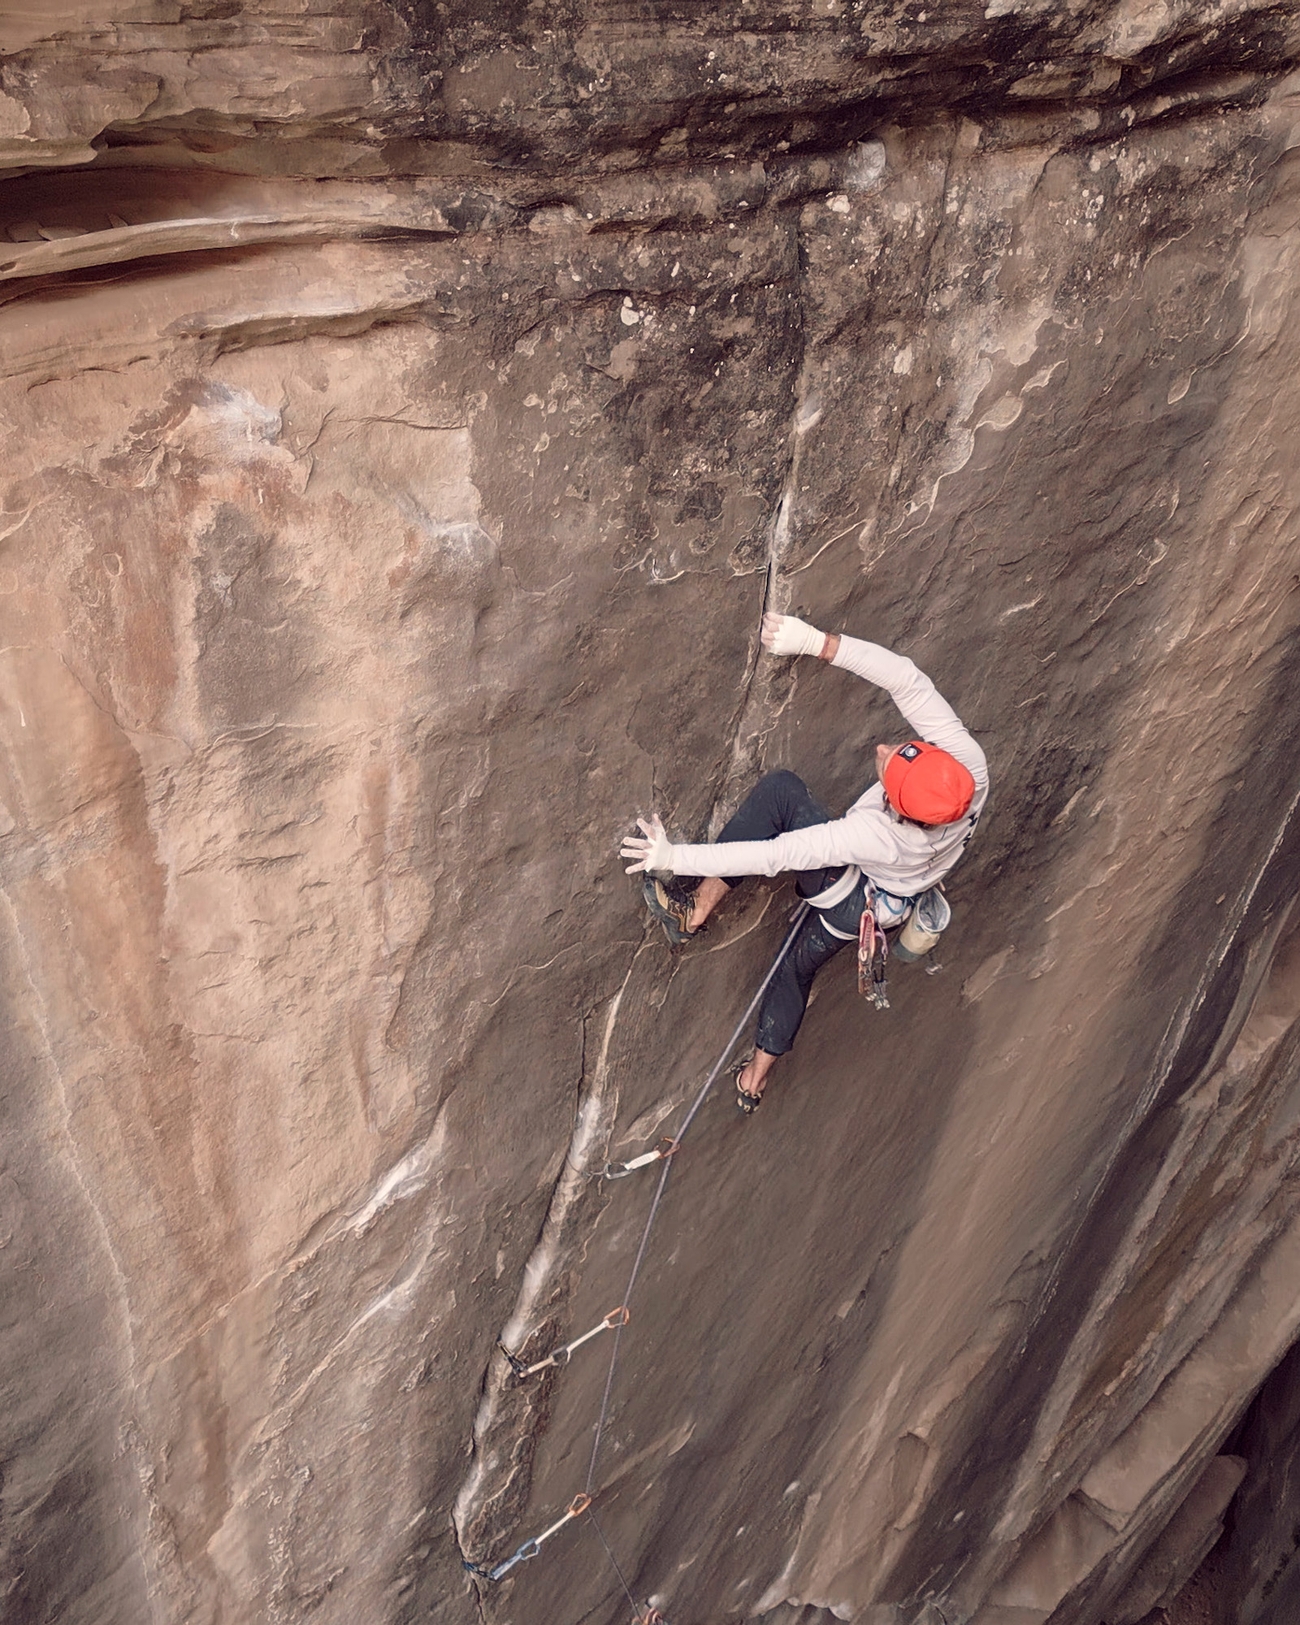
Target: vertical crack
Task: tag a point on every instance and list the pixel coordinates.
(510, 1419)
(760, 708)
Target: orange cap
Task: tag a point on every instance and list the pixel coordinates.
(927, 784)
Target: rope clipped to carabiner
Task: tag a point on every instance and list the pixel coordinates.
(530, 1548)
(616, 1319)
(612, 1321)
(661, 1153)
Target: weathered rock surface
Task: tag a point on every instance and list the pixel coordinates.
(408, 411)
(1255, 1563)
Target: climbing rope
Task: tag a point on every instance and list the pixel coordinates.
(797, 920)
(618, 1318)
(648, 1616)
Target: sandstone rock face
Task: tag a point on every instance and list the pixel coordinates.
(408, 412)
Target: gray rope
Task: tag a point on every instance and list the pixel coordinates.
(627, 1590)
(800, 915)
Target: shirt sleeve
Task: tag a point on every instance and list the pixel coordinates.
(862, 836)
(856, 838)
(924, 708)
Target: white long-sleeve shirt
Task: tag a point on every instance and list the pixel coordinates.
(898, 856)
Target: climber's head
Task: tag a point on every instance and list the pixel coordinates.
(924, 783)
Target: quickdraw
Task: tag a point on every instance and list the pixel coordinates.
(612, 1321)
(661, 1153)
(873, 955)
(619, 1317)
(530, 1548)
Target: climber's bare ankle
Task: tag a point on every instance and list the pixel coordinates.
(708, 894)
(753, 1080)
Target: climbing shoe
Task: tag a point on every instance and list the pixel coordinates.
(745, 1102)
(670, 903)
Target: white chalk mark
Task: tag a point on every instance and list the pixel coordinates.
(838, 537)
(19, 522)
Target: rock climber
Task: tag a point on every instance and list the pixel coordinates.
(896, 842)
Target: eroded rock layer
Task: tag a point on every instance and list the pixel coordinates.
(407, 416)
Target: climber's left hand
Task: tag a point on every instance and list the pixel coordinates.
(652, 849)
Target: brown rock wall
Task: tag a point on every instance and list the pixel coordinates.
(406, 422)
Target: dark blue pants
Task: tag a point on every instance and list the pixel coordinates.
(779, 802)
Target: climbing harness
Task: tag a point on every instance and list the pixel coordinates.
(615, 1318)
(581, 1503)
(661, 1153)
(873, 954)
(530, 1548)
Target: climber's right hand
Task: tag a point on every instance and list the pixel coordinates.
(788, 635)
